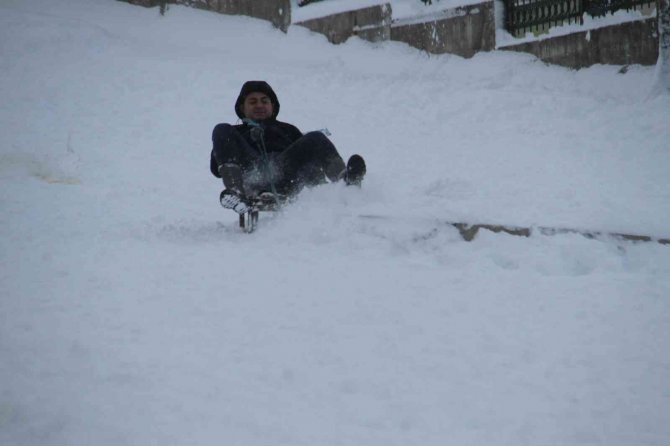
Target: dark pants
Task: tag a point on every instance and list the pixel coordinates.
(306, 162)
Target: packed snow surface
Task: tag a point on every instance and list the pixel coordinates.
(135, 312)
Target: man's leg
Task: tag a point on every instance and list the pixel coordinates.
(309, 160)
(229, 147)
(233, 157)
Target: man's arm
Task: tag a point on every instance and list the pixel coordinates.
(292, 132)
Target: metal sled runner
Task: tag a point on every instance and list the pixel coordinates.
(249, 220)
(264, 203)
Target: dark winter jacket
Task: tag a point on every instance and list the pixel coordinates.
(277, 136)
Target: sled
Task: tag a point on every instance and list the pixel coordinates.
(264, 203)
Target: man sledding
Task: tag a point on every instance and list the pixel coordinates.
(263, 161)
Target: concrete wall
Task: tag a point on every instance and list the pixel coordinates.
(623, 44)
(464, 31)
(147, 3)
(372, 23)
(276, 11)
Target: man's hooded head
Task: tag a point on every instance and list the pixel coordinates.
(256, 87)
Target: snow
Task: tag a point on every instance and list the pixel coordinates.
(405, 10)
(326, 8)
(135, 312)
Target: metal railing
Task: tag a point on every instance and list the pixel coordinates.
(537, 16)
(597, 8)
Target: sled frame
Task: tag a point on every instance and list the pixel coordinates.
(249, 220)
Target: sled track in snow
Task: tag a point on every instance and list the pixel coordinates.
(469, 231)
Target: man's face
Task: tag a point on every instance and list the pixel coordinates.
(257, 106)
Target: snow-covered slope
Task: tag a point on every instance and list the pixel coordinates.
(134, 312)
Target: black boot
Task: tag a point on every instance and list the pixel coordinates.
(231, 174)
(355, 171)
(233, 196)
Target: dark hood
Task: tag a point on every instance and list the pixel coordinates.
(256, 87)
